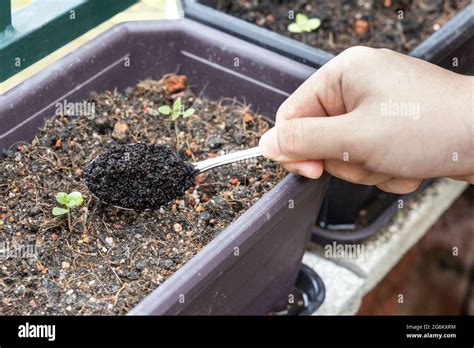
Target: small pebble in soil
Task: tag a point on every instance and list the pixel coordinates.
(65, 265)
(34, 211)
(102, 123)
(139, 176)
(109, 241)
(121, 132)
(215, 142)
(20, 290)
(167, 264)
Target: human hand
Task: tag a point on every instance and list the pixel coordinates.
(393, 121)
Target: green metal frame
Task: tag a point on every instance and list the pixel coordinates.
(42, 27)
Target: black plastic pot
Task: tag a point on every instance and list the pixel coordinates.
(386, 206)
(451, 47)
(307, 296)
(251, 267)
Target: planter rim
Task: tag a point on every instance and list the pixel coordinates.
(452, 34)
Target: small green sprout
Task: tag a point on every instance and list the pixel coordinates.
(175, 111)
(303, 24)
(69, 200)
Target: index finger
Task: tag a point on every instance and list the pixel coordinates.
(319, 95)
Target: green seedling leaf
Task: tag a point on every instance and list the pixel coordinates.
(71, 204)
(313, 24)
(294, 28)
(164, 109)
(70, 200)
(74, 199)
(59, 211)
(176, 110)
(304, 24)
(62, 197)
(177, 106)
(188, 112)
(75, 195)
(301, 20)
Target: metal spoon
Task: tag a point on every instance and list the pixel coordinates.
(205, 165)
(218, 161)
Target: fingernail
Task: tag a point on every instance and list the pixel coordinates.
(269, 144)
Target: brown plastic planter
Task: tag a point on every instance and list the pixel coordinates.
(270, 237)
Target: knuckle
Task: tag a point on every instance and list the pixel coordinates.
(286, 110)
(357, 52)
(384, 51)
(356, 55)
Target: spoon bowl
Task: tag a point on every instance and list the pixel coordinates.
(200, 167)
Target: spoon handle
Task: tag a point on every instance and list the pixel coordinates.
(210, 163)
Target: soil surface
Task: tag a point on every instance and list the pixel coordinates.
(396, 24)
(112, 258)
(139, 176)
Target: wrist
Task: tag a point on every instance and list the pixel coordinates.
(464, 107)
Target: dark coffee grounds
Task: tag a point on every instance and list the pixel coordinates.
(139, 176)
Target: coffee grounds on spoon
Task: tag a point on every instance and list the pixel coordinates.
(139, 176)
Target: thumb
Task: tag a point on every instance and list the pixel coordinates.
(313, 138)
